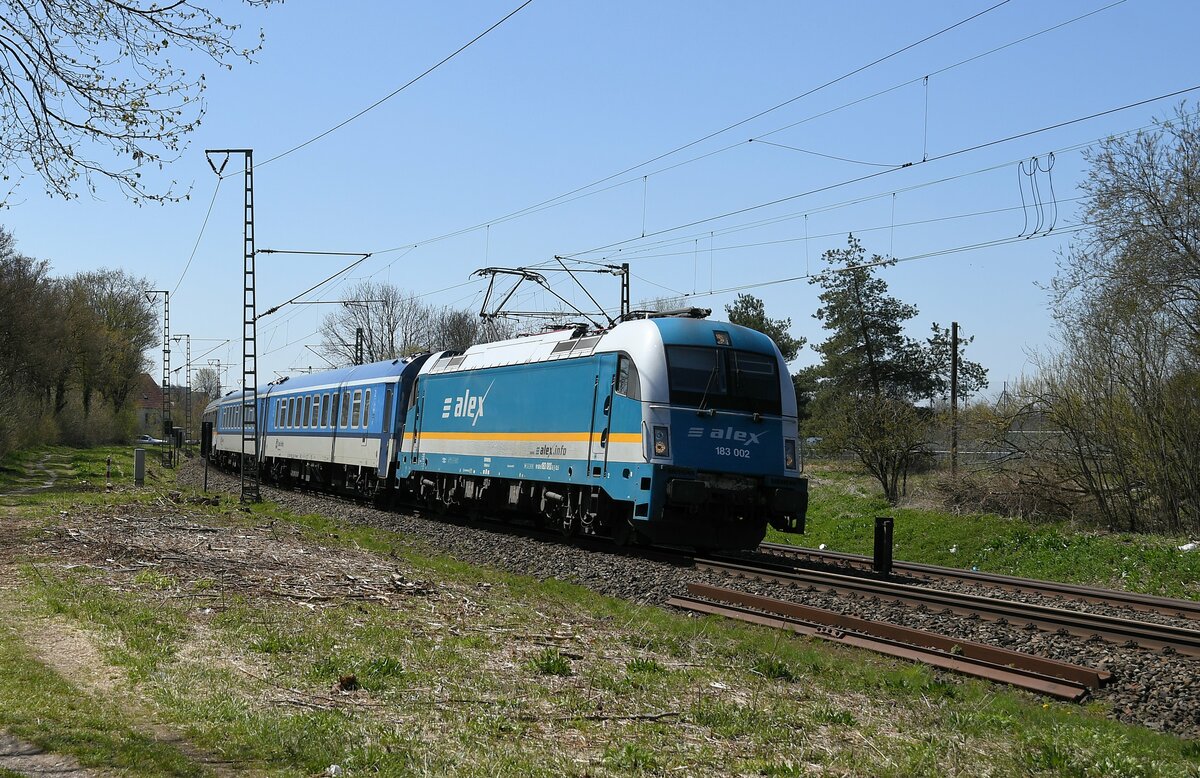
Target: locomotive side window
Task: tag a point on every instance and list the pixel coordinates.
(325, 410)
(356, 415)
(345, 409)
(627, 378)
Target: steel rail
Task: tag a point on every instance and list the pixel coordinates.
(1086, 625)
(1168, 606)
(1044, 676)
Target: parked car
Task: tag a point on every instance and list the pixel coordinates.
(148, 440)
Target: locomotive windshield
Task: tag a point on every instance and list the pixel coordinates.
(704, 377)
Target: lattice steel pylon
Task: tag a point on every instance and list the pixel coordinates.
(249, 408)
(187, 396)
(165, 447)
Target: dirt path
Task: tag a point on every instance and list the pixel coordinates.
(27, 759)
(41, 475)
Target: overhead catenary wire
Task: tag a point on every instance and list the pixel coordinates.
(1070, 229)
(410, 247)
(729, 127)
(397, 91)
(876, 174)
(196, 245)
(551, 202)
(855, 231)
(710, 234)
(683, 240)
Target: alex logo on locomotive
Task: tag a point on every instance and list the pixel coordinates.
(729, 433)
(466, 405)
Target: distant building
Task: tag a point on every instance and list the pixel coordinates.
(148, 404)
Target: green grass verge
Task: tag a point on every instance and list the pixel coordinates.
(499, 674)
(39, 706)
(843, 505)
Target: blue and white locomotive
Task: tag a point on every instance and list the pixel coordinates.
(673, 430)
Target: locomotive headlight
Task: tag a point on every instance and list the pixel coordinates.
(662, 442)
(789, 453)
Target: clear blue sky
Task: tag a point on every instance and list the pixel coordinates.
(569, 92)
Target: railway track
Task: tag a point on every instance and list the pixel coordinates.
(1162, 637)
(1183, 609)
(1044, 676)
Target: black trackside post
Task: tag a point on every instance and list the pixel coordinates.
(883, 544)
(206, 441)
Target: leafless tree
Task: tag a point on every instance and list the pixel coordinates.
(208, 381)
(94, 89)
(455, 329)
(394, 323)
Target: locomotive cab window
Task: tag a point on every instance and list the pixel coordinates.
(627, 378)
(723, 379)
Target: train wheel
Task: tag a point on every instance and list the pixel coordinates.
(623, 533)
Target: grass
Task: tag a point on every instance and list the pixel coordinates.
(843, 506)
(551, 662)
(39, 706)
(486, 673)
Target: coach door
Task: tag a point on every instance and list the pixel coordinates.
(387, 434)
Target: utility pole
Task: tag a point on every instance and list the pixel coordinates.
(625, 305)
(953, 399)
(167, 459)
(249, 468)
(358, 346)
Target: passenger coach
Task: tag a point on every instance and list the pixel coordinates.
(338, 429)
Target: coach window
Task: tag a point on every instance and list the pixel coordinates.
(314, 418)
(345, 409)
(357, 413)
(307, 411)
(366, 408)
(325, 410)
(627, 378)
